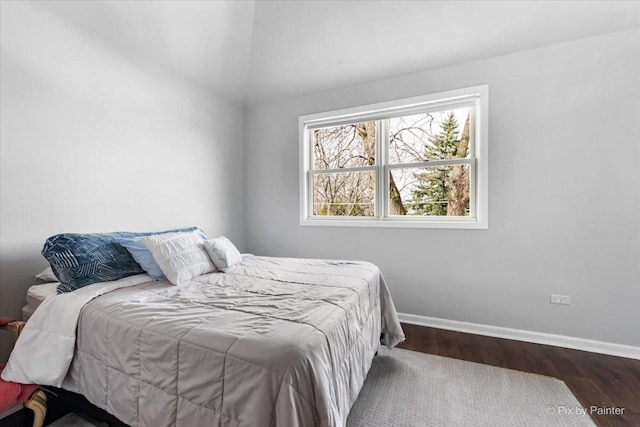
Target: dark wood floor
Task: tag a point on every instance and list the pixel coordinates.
(595, 379)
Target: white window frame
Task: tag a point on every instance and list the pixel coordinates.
(476, 96)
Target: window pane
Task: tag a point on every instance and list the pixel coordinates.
(432, 191)
(344, 194)
(429, 136)
(344, 146)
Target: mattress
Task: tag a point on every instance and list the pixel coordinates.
(36, 295)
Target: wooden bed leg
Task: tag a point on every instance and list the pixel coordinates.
(38, 404)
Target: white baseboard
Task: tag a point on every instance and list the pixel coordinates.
(594, 346)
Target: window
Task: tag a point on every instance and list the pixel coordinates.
(417, 162)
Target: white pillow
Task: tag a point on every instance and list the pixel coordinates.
(181, 256)
(47, 275)
(223, 253)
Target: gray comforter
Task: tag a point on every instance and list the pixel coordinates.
(272, 342)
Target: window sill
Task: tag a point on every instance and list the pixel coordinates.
(464, 224)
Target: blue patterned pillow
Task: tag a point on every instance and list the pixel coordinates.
(79, 260)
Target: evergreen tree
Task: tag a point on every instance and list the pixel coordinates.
(444, 145)
(430, 196)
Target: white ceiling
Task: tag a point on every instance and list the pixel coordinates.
(251, 51)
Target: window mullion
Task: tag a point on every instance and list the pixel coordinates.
(383, 144)
(432, 164)
(344, 170)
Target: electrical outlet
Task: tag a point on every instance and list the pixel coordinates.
(561, 299)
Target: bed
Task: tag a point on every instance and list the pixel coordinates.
(273, 341)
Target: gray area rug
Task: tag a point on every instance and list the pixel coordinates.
(410, 389)
(406, 388)
(75, 420)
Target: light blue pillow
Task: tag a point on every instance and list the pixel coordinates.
(143, 256)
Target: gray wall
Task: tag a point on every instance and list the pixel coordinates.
(93, 140)
(564, 169)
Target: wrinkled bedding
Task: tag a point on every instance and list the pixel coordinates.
(272, 342)
(43, 352)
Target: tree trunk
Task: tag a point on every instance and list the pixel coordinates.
(459, 187)
(367, 132)
(396, 207)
